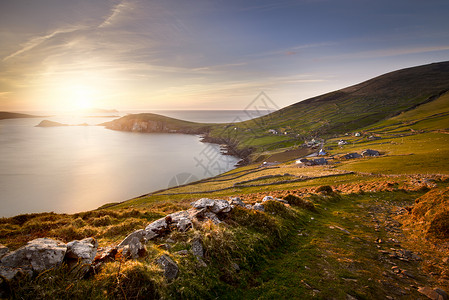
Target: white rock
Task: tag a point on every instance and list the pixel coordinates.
(259, 207)
(3, 250)
(220, 206)
(203, 203)
(267, 198)
(237, 201)
(38, 255)
(84, 250)
(213, 217)
(169, 266)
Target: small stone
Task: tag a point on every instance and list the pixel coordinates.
(236, 267)
(3, 250)
(236, 201)
(432, 294)
(9, 273)
(83, 251)
(182, 252)
(169, 266)
(213, 217)
(197, 248)
(442, 293)
(267, 198)
(201, 263)
(220, 206)
(203, 203)
(258, 207)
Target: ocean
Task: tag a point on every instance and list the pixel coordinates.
(77, 168)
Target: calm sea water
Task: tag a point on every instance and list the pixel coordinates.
(77, 168)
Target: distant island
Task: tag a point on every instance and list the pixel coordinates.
(99, 111)
(48, 123)
(10, 115)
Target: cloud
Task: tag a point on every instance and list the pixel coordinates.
(36, 41)
(389, 52)
(293, 50)
(115, 11)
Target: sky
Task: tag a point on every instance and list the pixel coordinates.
(58, 55)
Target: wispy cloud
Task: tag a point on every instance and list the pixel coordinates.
(36, 41)
(389, 52)
(115, 12)
(293, 50)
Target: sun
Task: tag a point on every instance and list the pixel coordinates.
(82, 98)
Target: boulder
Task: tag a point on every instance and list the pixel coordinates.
(38, 255)
(134, 244)
(203, 203)
(83, 251)
(220, 206)
(236, 201)
(434, 294)
(156, 228)
(267, 198)
(3, 250)
(9, 273)
(369, 152)
(169, 266)
(213, 217)
(259, 207)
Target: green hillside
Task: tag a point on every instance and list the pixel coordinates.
(346, 110)
(10, 115)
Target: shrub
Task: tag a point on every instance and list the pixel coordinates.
(300, 202)
(132, 280)
(102, 221)
(325, 189)
(253, 219)
(439, 227)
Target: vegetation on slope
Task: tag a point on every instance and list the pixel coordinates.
(10, 115)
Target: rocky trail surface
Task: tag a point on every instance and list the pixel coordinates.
(353, 249)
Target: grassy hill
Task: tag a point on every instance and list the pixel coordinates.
(10, 115)
(344, 110)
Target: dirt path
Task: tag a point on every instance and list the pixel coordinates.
(352, 249)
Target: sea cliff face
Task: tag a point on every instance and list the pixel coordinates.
(153, 123)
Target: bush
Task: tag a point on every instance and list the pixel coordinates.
(439, 227)
(102, 221)
(135, 280)
(253, 219)
(325, 189)
(299, 202)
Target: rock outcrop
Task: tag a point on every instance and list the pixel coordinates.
(37, 255)
(83, 251)
(169, 266)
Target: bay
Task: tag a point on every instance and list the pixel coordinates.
(76, 168)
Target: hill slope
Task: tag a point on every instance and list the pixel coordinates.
(10, 115)
(362, 104)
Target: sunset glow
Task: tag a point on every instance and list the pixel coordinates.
(205, 55)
